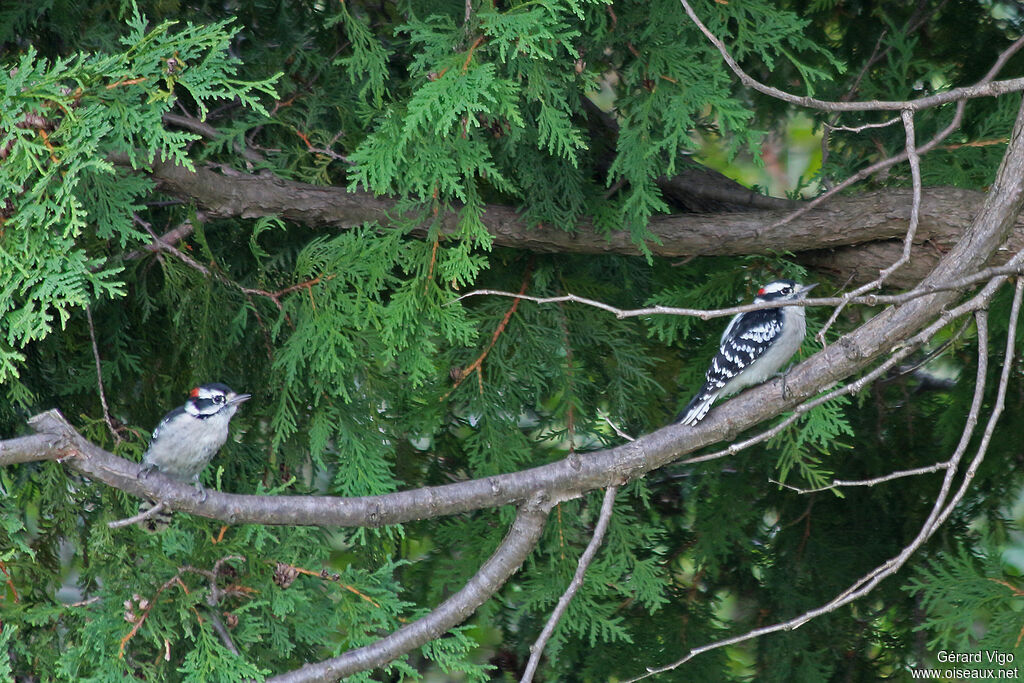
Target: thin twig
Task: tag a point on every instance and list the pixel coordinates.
(841, 483)
(323, 574)
(866, 126)
(476, 366)
(615, 428)
(868, 171)
(159, 244)
(138, 622)
(878, 166)
(222, 632)
(170, 248)
(1009, 268)
(997, 409)
(930, 356)
(537, 649)
(99, 376)
(215, 595)
(913, 23)
(173, 235)
(323, 150)
(88, 601)
(141, 517)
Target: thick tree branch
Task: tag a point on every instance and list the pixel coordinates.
(855, 237)
(30, 449)
(978, 303)
(425, 502)
(570, 477)
(506, 560)
(829, 231)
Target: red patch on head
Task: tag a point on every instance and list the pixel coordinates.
(194, 393)
(760, 292)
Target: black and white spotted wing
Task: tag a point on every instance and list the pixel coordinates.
(748, 337)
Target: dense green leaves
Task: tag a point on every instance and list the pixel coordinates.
(60, 121)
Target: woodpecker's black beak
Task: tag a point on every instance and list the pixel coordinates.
(238, 398)
(807, 288)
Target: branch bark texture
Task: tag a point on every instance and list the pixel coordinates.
(851, 237)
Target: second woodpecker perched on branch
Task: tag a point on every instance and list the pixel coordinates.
(189, 436)
(184, 443)
(754, 346)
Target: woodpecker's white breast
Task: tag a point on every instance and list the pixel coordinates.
(183, 444)
(785, 346)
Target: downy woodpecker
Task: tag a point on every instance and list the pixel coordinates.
(190, 435)
(754, 347)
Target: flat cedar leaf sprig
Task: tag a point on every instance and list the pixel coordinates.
(60, 122)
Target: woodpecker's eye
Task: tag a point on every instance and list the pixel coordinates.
(218, 399)
(787, 289)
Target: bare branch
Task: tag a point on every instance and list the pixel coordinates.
(1002, 59)
(158, 243)
(222, 632)
(31, 448)
(986, 87)
(864, 127)
(537, 649)
(506, 560)
(925, 289)
(173, 235)
(941, 509)
(213, 597)
(959, 95)
(141, 517)
(979, 302)
(868, 171)
(99, 376)
(598, 469)
(322, 150)
(615, 428)
(841, 483)
(930, 356)
(854, 352)
(997, 409)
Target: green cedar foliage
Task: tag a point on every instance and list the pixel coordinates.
(369, 378)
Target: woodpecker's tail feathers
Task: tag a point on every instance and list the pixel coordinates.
(695, 411)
